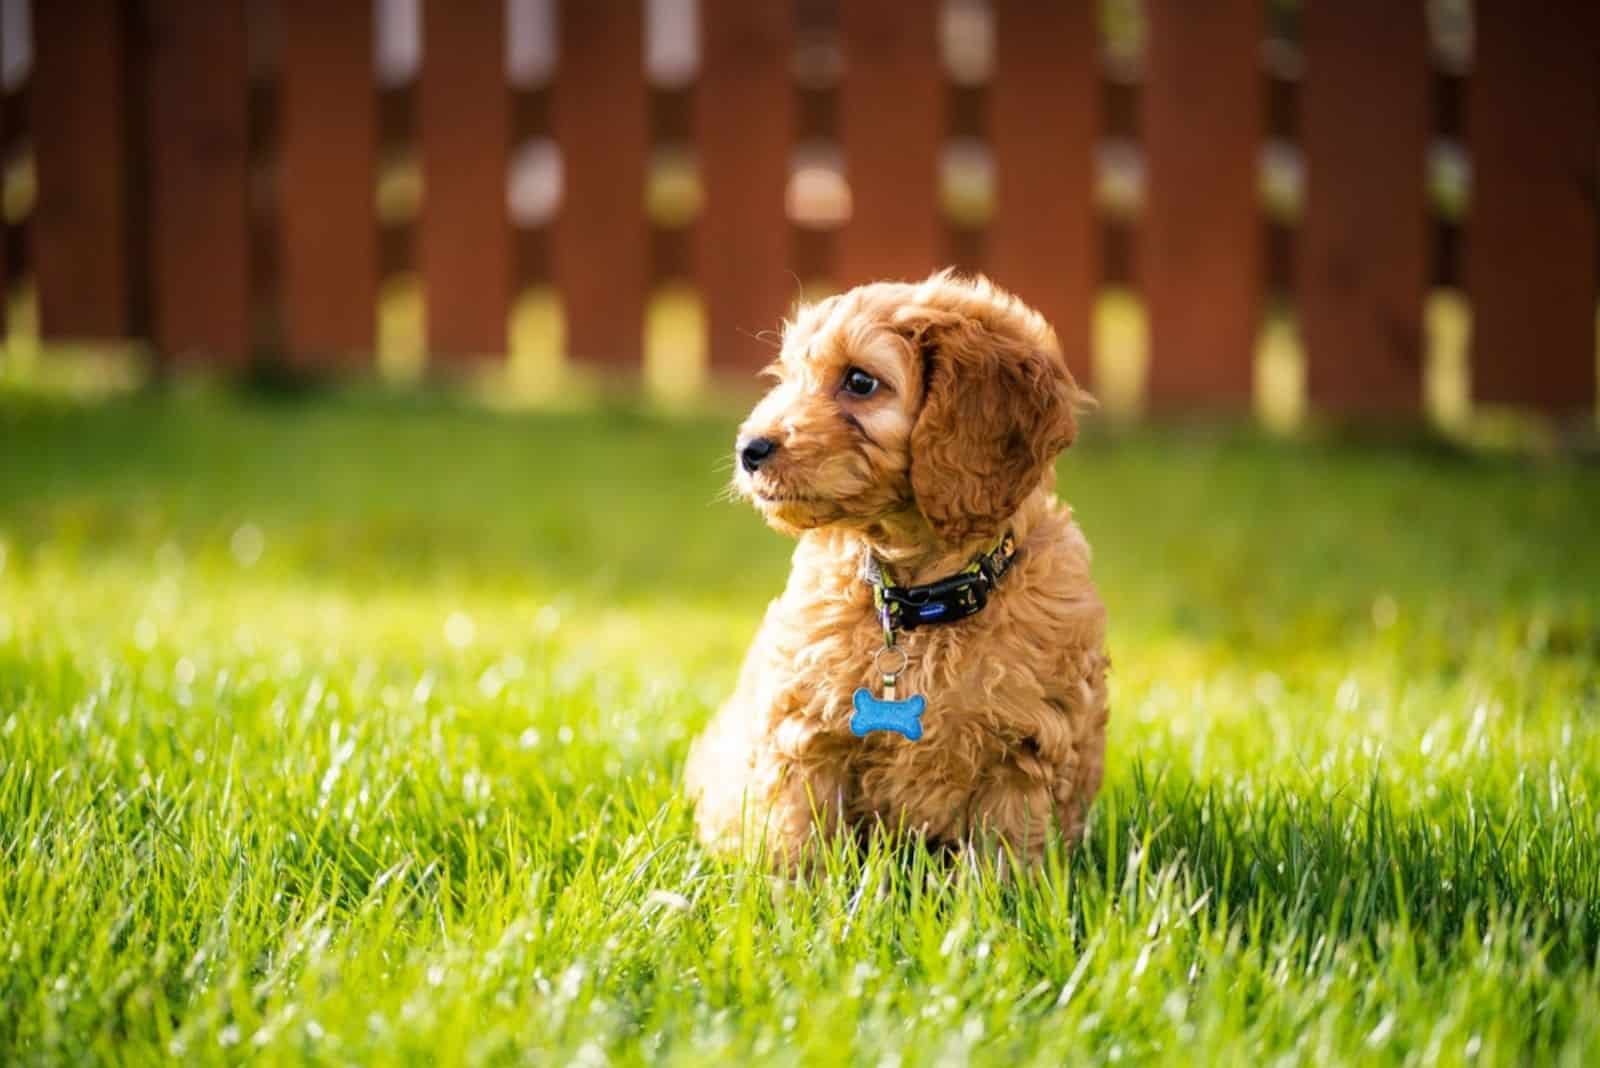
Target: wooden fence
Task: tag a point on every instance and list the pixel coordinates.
(206, 176)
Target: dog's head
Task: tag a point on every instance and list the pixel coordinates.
(944, 402)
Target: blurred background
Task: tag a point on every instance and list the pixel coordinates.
(1359, 209)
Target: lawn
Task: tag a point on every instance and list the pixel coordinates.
(351, 729)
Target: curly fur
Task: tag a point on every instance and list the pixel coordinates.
(956, 445)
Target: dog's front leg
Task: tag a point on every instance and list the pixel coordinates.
(1029, 797)
(804, 810)
(762, 793)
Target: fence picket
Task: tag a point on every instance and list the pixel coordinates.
(744, 125)
(1200, 236)
(1042, 124)
(199, 180)
(81, 226)
(328, 230)
(891, 118)
(601, 243)
(1531, 228)
(1363, 237)
(464, 126)
(7, 122)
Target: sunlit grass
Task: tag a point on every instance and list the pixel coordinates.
(350, 731)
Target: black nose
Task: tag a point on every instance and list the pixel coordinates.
(755, 452)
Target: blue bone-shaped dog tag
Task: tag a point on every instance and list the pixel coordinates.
(902, 717)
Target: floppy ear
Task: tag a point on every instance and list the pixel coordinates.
(998, 407)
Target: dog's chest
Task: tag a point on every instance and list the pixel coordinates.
(965, 692)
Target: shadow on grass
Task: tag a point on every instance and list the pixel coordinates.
(1282, 872)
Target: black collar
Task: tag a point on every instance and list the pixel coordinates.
(944, 600)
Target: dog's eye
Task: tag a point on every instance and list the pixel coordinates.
(858, 383)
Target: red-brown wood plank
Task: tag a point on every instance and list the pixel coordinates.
(1200, 234)
(5, 229)
(1531, 228)
(80, 225)
(1363, 261)
(199, 180)
(1042, 127)
(600, 253)
(464, 123)
(328, 227)
(891, 119)
(744, 119)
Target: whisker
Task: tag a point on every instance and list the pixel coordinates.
(775, 342)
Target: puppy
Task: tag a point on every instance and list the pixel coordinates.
(936, 662)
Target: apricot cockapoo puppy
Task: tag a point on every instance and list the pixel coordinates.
(936, 662)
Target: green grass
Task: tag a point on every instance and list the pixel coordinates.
(351, 731)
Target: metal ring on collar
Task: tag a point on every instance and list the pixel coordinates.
(877, 661)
